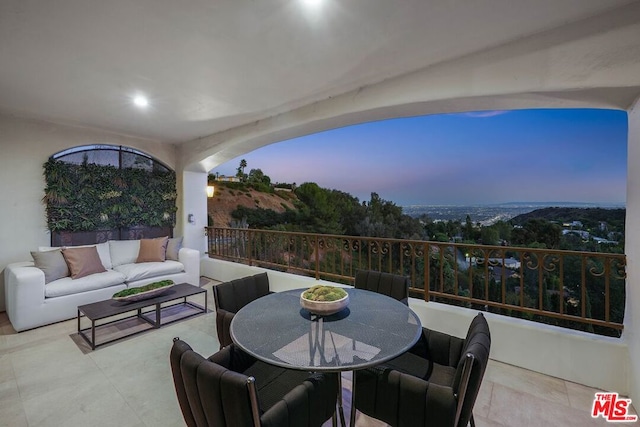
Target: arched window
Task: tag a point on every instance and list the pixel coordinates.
(112, 155)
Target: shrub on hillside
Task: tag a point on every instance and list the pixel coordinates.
(235, 185)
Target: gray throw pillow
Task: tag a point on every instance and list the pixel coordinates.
(173, 247)
(52, 263)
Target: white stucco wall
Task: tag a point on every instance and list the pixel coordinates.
(632, 249)
(193, 201)
(25, 145)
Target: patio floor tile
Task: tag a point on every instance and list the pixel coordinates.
(46, 379)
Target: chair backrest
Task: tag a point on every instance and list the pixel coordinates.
(177, 350)
(221, 391)
(392, 285)
(471, 367)
(232, 296)
(229, 297)
(210, 394)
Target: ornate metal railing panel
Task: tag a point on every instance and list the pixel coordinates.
(578, 290)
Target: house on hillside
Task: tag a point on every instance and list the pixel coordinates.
(224, 178)
(604, 241)
(573, 224)
(510, 263)
(583, 234)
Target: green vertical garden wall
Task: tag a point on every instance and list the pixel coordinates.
(89, 197)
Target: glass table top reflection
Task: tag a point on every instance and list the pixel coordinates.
(374, 328)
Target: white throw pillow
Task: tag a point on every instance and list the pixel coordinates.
(124, 251)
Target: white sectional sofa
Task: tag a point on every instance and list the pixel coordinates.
(31, 303)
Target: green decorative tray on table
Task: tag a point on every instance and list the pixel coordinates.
(143, 292)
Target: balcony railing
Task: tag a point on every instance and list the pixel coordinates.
(578, 290)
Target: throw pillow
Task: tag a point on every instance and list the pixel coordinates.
(123, 251)
(173, 248)
(52, 264)
(152, 250)
(83, 261)
(102, 248)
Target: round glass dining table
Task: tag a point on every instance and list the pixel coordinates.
(373, 329)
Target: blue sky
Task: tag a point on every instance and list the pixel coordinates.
(461, 159)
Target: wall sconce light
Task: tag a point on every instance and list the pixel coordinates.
(210, 190)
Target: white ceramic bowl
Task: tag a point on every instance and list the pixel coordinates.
(324, 308)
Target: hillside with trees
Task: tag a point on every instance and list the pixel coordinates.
(589, 217)
(252, 200)
(511, 273)
(229, 197)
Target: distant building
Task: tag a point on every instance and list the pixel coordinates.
(573, 224)
(614, 235)
(583, 234)
(605, 241)
(510, 263)
(228, 178)
(498, 273)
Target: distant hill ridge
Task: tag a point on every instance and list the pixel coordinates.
(231, 195)
(567, 214)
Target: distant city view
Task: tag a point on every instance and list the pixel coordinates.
(520, 212)
(490, 214)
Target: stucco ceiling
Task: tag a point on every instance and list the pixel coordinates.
(211, 65)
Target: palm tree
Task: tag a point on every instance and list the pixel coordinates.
(243, 164)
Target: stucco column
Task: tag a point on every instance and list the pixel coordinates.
(631, 332)
(192, 209)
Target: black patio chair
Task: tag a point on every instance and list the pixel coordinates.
(434, 385)
(392, 285)
(232, 389)
(229, 297)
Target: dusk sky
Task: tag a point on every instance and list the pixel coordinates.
(461, 159)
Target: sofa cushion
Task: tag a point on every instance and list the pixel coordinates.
(83, 261)
(68, 286)
(152, 250)
(52, 264)
(102, 248)
(173, 248)
(133, 272)
(123, 251)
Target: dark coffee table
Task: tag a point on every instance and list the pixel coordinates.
(108, 308)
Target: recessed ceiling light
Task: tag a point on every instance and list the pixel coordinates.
(141, 101)
(312, 2)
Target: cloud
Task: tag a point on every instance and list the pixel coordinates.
(490, 113)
